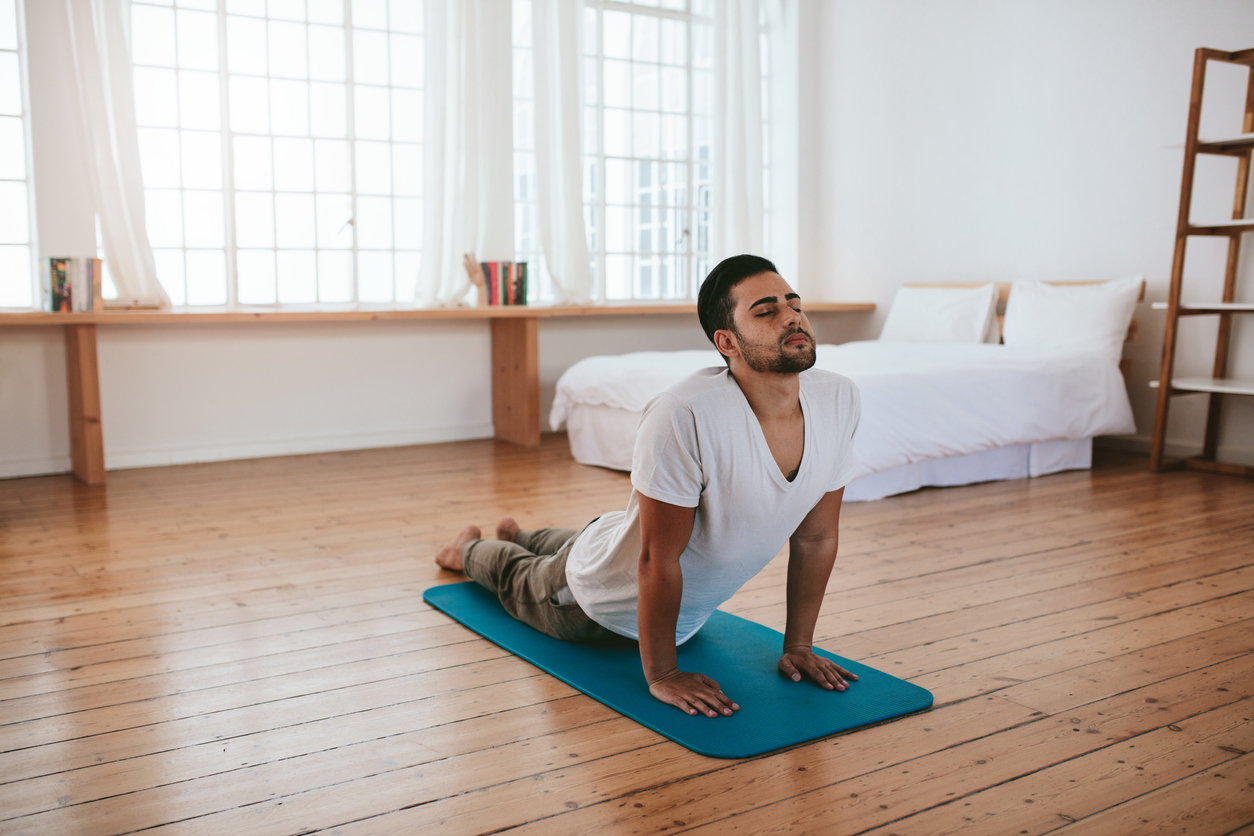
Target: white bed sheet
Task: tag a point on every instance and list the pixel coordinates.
(928, 410)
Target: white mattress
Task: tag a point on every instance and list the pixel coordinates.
(932, 414)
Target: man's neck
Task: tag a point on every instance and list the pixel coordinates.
(771, 396)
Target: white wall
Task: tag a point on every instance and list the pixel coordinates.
(981, 140)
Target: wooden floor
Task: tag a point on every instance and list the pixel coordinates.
(242, 648)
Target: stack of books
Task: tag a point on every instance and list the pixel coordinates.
(71, 284)
(506, 282)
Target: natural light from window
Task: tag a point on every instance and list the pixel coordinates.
(16, 278)
(281, 146)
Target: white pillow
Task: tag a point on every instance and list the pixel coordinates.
(1091, 317)
(943, 315)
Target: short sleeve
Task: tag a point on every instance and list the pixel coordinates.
(666, 462)
(849, 413)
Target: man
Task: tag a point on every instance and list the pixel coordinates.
(728, 464)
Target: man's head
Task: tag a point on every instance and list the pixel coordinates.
(749, 311)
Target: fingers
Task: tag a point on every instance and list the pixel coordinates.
(823, 671)
(789, 669)
(694, 694)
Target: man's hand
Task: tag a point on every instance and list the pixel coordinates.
(825, 672)
(692, 692)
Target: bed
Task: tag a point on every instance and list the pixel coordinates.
(934, 412)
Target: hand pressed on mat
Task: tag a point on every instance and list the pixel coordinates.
(692, 692)
(824, 672)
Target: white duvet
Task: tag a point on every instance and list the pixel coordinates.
(920, 401)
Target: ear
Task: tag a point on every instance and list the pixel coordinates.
(726, 343)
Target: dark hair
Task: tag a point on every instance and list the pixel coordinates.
(714, 301)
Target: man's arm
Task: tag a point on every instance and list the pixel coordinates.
(811, 555)
(664, 533)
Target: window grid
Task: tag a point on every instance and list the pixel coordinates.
(640, 173)
(314, 208)
(17, 275)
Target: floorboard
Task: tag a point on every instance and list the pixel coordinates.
(242, 647)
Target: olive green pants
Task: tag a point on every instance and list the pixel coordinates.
(527, 576)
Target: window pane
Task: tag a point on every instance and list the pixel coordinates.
(202, 160)
(374, 168)
(159, 158)
(10, 85)
(617, 228)
(334, 174)
(294, 220)
(370, 14)
(198, 40)
(617, 181)
(246, 45)
(156, 97)
(15, 278)
(617, 133)
(328, 110)
(372, 120)
(405, 16)
(298, 277)
(250, 106)
(370, 57)
(164, 213)
(12, 149)
(407, 170)
(203, 222)
(617, 29)
(407, 115)
(206, 277)
(335, 276)
(256, 277)
(256, 8)
(254, 219)
(644, 38)
(252, 163)
(287, 9)
(287, 50)
(374, 223)
(152, 36)
(644, 87)
(8, 24)
(647, 128)
(335, 213)
(375, 278)
(198, 99)
(326, 45)
(170, 274)
(408, 213)
(293, 165)
(674, 42)
(289, 108)
(408, 266)
(406, 51)
(326, 11)
(617, 84)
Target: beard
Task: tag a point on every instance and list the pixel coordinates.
(776, 359)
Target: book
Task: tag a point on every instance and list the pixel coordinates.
(72, 285)
(500, 282)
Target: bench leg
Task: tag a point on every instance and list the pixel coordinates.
(83, 383)
(516, 380)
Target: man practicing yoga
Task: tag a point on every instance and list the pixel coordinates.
(729, 464)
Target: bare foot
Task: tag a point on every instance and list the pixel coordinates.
(506, 529)
(450, 556)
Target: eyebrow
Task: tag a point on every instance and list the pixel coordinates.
(770, 300)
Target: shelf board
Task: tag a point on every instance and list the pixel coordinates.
(1219, 385)
(1188, 308)
(1230, 227)
(1226, 145)
(190, 316)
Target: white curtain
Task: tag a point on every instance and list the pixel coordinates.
(100, 50)
(558, 64)
(736, 213)
(469, 183)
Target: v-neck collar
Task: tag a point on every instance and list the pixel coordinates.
(764, 449)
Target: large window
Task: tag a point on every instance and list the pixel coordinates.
(648, 103)
(16, 277)
(281, 148)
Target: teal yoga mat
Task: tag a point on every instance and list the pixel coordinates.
(740, 655)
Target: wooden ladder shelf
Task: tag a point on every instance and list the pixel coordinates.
(1218, 385)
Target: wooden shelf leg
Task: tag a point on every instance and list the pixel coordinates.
(516, 380)
(83, 384)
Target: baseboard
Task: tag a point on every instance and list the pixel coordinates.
(127, 459)
(1173, 449)
(43, 466)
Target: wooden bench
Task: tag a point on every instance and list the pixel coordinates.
(515, 356)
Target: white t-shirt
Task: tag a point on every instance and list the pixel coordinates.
(700, 445)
